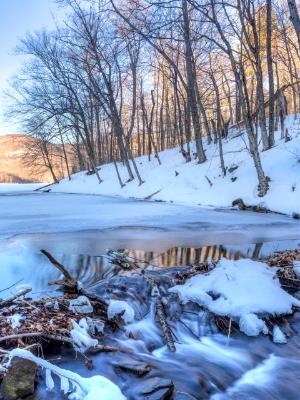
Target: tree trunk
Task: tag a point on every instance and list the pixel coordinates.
(270, 73)
(191, 84)
(294, 17)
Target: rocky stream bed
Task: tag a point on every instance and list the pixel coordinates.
(130, 328)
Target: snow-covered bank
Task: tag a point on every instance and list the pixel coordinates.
(188, 183)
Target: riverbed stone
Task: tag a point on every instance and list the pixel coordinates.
(155, 389)
(19, 382)
(162, 394)
(184, 396)
(138, 368)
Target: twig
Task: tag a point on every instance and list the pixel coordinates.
(16, 296)
(229, 332)
(151, 195)
(20, 336)
(14, 284)
(209, 181)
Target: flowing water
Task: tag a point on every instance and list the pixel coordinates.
(206, 365)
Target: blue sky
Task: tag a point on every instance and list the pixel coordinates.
(16, 18)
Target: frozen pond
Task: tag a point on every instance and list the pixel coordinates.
(78, 229)
(32, 213)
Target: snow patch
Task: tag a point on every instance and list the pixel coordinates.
(81, 337)
(251, 325)
(296, 267)
(15, 320)
(239, 289)
(278, 335)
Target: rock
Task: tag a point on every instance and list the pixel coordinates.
(19, 382)
(184, 396)
(155, 389)
(134, 367)
(162, 394)
(232, 168)
(240, 203)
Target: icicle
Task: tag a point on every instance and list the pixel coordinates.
(81, 337)
(93, 388)
(64, 384)
(49, 380)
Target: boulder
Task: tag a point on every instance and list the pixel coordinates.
(19, 381)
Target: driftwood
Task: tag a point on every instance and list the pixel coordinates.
(69, 284)
(69, 281)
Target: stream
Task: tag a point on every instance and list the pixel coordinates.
(78, 229)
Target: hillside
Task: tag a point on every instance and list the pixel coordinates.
(187, 183)
(14, 169)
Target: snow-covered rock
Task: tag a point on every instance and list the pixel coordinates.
(94, 388)
(81, 305)
(118, 307)
(242, 290)
(296, 268)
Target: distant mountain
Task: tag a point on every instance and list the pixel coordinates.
(14, 168)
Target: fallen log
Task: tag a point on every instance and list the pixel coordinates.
(259, 209)
(20, 336)
(161, 316)
(57, 338)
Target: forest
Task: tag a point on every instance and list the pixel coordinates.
(121, 79)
